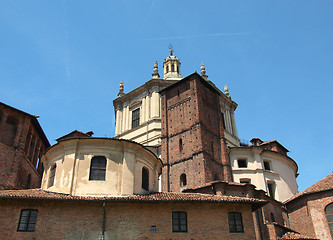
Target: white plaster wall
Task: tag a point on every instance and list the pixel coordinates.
(282, 174)
(123, 169)
(149, 130)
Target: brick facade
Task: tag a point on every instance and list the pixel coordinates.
(264, 217)
(84, 220)
(307, 214)
(192, 135)
(22, 142)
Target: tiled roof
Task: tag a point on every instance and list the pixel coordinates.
(293, 235)
(324, 184)
(154, 197)
(74, 134)
(215, 182)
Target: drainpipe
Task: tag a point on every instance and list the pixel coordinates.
(103, 223)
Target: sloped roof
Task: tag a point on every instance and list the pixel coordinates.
(323, 185)
(154, 197)
(74, 134)
(34, 122)
(262, 143)
(204, 81)
(272, 141)
(293, 235)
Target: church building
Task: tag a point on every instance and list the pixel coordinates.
(175, 169)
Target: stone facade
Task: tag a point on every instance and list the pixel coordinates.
(22, 142)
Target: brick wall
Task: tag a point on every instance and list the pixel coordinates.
(20, 148)
(307, 214)
(192, 135)
(83, 220)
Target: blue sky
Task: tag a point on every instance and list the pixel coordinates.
(63, 61)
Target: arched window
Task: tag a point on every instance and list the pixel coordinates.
(180, 144)
(272, 217)
(52, 175)
(216, 177)
(167, 69)
(145, 178)
(97, 168)
(182, 181)
(27, 184)
(271, 189)
(212, 146)
(172, 68)
(27, 142)
(10, 130)
(329, 216)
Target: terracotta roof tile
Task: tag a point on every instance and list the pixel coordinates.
(154, 197)
(324, 184)
(214, 182)
(293, 235)
(74, 134)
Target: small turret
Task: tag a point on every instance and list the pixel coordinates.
(155, 74)
(203, 71)
(171, 66)
(226, 91)
(121, 89)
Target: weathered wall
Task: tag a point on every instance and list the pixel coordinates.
(83, 220)
(192, 135)
(282, 174)
(20, 148)
(123, 174)
(307, 214)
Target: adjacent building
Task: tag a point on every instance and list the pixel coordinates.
(267, 166)
(22, 143)
(311, 211)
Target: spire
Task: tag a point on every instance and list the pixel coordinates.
(171, 66)
(226, 91)
(121, 89)
(155, 73)
(203, 71)
(170, 50)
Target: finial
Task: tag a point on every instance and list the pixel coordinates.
(226, 91)
(121, 89)
(155, 73)
(170, 49)
(203, 71)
